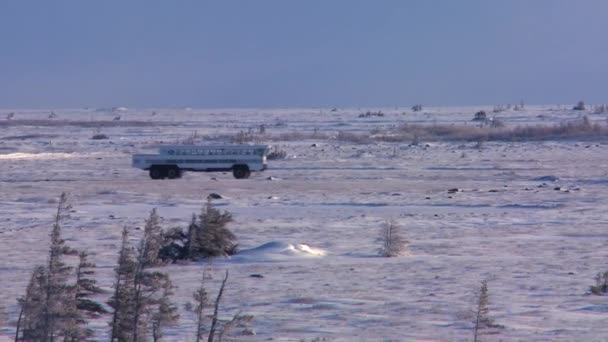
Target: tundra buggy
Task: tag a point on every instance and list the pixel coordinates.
(173, 160)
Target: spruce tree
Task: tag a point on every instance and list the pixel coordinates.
(141, 297)
(86, 287)
(212, 238)
(147, 290)
(81, 306)
(166, 313)
(122, 299)
(201, 298)
(216, 307)
(207, 236)
(483, 320)
(153, 238)
(57, 292)
(32, 308)
(190, 246)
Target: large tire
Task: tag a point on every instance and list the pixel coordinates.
(157, 172)
(173, 172)
(240, 171)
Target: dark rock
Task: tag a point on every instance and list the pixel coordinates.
(213, 195)
(549, 178)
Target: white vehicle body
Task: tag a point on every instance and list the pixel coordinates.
(172, 160)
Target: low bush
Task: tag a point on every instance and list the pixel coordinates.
(206, 237)
(601, 284)
(480, 116)
(99, 136)
(369, 114)
(276, 153)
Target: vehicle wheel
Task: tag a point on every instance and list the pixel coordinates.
(240, 172)
(156, 172)
(174, 172)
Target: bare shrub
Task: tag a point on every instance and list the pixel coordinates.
(392, 242)
(480, 116)
(243, 137)
(601, 284)
(370, 114)
(500, 108)
(601, 109)
(299, 136)
(201, 300)
(276, 153)
(192, 138)
(581, 128)
(216, 307)
(353, 137)
(99, 136)
(579, 106)
(218, 328)
(415, 140)
(417, 108)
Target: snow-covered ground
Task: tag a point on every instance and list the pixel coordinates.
(528, 216)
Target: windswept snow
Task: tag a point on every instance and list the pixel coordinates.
(43, 155)
(528, 216)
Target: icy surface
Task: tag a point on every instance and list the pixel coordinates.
(529, 216)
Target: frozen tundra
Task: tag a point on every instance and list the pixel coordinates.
(173, 160)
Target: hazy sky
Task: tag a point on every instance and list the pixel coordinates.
(287, 53)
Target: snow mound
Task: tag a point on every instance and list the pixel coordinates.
(279, 251)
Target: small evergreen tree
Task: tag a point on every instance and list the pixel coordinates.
(47, 310)
(146, 287)
(482, 319)
(32, 308)
(201, 299)
(121, 301)
(153, 239)
(191, 237)
(166, 314)
(56, 310)
(601, 284)
(216, 306)
(81, 306)
(212, 238)
(86, 287)
(207, 236)
(74, 328)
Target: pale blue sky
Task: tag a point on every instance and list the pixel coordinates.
(282, 53)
